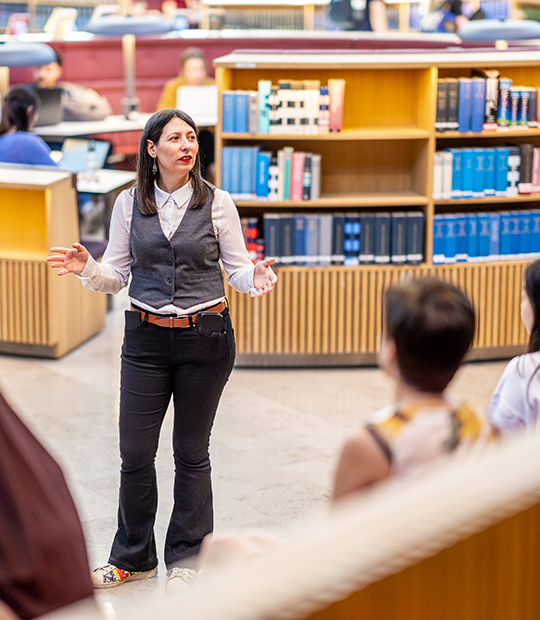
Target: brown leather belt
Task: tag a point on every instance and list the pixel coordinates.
(177, 321)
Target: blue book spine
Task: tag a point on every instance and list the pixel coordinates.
(514, 235)
(228, 111)
(525, 234)
(457, 172)
(246, 176)
(264, 88)
(467, 173)
(236, 162)
(504, 107)
(287, 230)
(478, 94)
(479, 174)
(450, 238)
(262, 167)
(501, 170)
(438, 240)
(272, 236)
(300, 239)
(504, 244)
(226, 169)
(241, 118)
(535, 232)
(489, 171)
(312, 239)
(494, 236)
(464, 105)
(460, 229)
(483, 237)
(472, 237)
(351, 239)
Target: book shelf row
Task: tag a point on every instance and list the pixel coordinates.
(485, 101)
(349, 239)
(292, 107)
(483, 172)
(485, 237)
(249, 173)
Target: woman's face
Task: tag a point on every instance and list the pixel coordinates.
(176, 150)
(527, 311)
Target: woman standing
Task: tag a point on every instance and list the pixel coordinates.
(515, 404)
(169, 233)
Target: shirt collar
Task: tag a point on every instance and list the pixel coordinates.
(180, 196)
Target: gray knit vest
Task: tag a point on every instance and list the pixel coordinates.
(184, 270)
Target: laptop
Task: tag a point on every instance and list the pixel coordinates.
(200, 102)
(75, 150)
(50, 111)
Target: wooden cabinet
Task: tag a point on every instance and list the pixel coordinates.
(382, 159)
(41, 313)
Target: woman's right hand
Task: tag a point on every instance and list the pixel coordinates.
(69, 260)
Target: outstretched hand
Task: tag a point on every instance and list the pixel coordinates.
(69, 260)
(264, 279)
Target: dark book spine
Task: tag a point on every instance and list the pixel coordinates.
(533, 108)
(307, 178)
(338, 222)
(415, 237)
(367, 239)
(441, 118)
(453, 104)
(526, 152)
(492, 95)
(399, 238)
(272, 236)
(382, 238)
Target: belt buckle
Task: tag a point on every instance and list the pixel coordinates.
(171, 321)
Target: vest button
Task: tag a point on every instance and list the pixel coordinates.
(169, 280)
(169, 263)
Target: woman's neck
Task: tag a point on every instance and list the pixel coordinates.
(170, 184)
(406, 394)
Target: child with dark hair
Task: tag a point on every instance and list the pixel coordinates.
(429, 328)
(515, 404)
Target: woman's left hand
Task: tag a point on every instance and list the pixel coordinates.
(264, 279)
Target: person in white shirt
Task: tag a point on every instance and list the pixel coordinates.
(515, 404)
(171, 233)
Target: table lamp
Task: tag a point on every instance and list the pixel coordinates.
(18, 54)
(128, 27)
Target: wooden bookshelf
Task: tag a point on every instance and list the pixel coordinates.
(41, 314)
(382, 159)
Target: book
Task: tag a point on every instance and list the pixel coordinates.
(315, 176)
(449, 231)
(447, 170)
(286, 107)
(286, 178)
(515, 96)
(274, 112)
(272, 236)
(472, 237)
(437, 175)
(504, 236)
(351, 239)
(467, 173)
(307, 178)
(526, 153)
(514, 161)
(324, 110)
(300, 239)
(262, 188)
(535, 231)
(438, 257)
(382, 238)
(338, 235)
(248, 172)
(489, 171)
(228, 112)
(398, 237)
(492, 95)
(504, 107)
(415, 237)
(514, 235)
(236, 162)
(312, 239)
(536, 171)
(457, 175)
(479, 177)
(311, 102)
(226, 170)
(252, 235)
(494, 236)
(532, 121)
(336, 90)
(464, 105)
(241, 112)
(273, 180)
(325, 240)
(287, 234)
(478, 96)
(525, 235)
(367, 238)
(264, 88)
(297, 175)
(253, 112)
(483, 237)
(523, 108)
(460, 232)
(452, 122)
(501, 170)
(441, 115)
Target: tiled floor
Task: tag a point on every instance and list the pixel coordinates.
(273, 448)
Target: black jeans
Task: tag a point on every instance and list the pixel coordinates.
(158, 362)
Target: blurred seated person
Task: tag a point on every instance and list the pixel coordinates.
(17, 144)
(193, 72)
(79, 103)
(446, 16)
(362, 15)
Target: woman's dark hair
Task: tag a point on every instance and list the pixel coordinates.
(432, 324)
(202, 191)
(15, 114)
(532, 288)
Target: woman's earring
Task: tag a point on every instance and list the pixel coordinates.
(154, 168)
